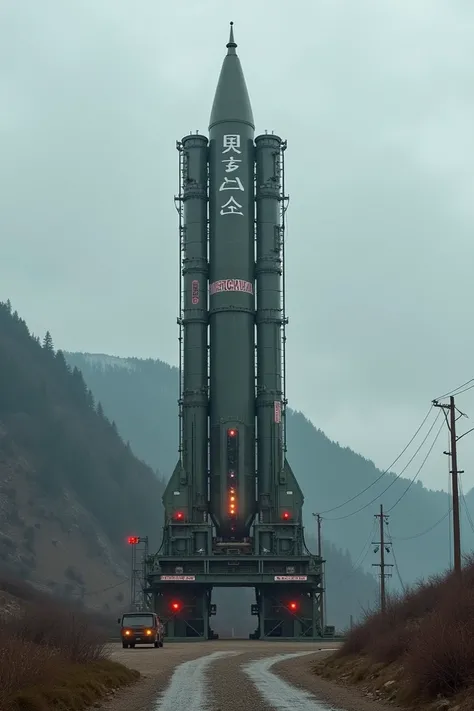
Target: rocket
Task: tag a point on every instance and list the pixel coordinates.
(232, 471)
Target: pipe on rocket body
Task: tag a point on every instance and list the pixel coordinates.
(195, 323)
(232, 329)
(269, 322)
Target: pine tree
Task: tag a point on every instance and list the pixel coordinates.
(61, 360)
(100, 409)
(48, 342)
(79, 385)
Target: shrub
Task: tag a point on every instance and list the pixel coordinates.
(441, 657)
(429, 630)
(22, 664)
(48, 648)
(69, 633)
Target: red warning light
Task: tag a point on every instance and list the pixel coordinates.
(133, 540)
(231, 433)
(293, 606)
(179, 515)
(286, 515)
(175, 605)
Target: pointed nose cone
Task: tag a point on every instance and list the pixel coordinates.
(231, 101)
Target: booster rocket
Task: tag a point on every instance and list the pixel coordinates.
(232, 469)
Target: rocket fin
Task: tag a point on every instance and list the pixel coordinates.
(176, 494)
(291, 497)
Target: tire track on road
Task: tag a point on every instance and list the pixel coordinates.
(190, 688)
(278, 694)
(245, 683)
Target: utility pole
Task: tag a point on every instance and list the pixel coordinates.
(319, 519)
(384, 548)
(454, 479)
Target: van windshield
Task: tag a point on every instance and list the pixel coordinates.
(137, 621)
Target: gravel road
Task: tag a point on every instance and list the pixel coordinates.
(232, 675)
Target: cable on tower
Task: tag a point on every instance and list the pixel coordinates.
(455, 390)
(412, 481)
(386, 471)
(427, 530)
(396, 478)
(468, 513)
(110, 587)
(361, 557)
(397, 569)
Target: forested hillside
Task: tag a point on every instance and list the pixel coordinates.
(142, 397)
(71, 490)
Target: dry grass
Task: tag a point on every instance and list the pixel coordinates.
(53, 657)
(424, 641)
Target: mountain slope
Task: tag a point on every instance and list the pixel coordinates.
(71, 490)
(142, 397)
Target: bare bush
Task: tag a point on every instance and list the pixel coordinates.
(441, 657)
(22, 664)
(69, 632)
(429, 630)
(41, 639)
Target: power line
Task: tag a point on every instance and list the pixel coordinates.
(395, 560)
(339, 518)
(362, 555)
(419, 470)
(454, 391)
(423, 533)
(386, 471)
(110, 587)
(468, 513)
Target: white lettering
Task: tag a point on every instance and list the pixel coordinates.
(230, 285)
(233, 207)
(231, 142)
(228, 184)
(231, 164)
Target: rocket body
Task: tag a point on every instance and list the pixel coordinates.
(232, 303)
(232, 466)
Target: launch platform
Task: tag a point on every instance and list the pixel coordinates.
(233, 507)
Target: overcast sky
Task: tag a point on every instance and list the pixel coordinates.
(376, 99)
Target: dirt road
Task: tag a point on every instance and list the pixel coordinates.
(231, 676)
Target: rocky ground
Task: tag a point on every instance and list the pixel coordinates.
(383, 683)
(233, 676)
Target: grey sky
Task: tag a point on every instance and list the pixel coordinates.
(376, 99)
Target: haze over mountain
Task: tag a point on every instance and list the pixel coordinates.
(141, 395)
(72, 491)
(376, 100)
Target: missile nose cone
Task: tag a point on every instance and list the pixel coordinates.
(231, 45)
(231, 100)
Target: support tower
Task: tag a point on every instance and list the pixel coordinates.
(233, 508)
